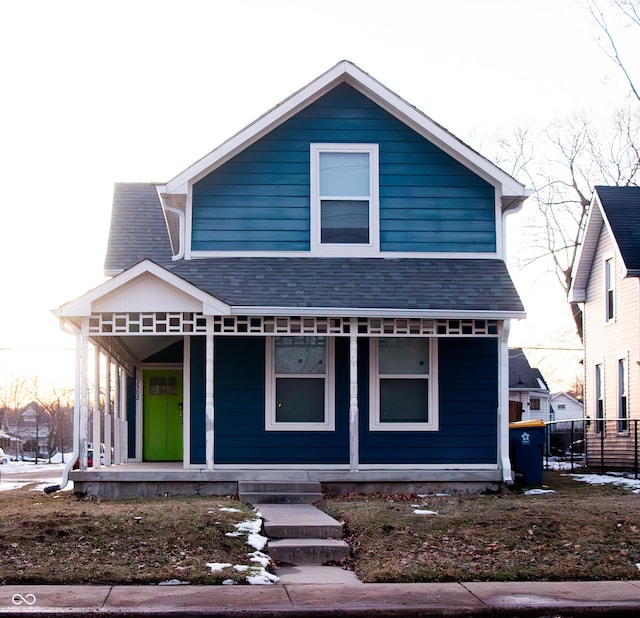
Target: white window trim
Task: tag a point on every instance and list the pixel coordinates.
(374, 392)
(623, 379)
(329, 423)
(345, 249)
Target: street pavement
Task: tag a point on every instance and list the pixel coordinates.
(482, 599)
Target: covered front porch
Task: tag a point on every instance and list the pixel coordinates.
(405, 399)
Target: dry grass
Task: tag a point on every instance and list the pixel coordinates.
(58, 539)
(578, 533)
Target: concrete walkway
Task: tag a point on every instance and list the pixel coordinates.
(573, 599)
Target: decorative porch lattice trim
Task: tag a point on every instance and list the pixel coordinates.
(147, 323)
(195, 323)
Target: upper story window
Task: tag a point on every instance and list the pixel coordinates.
(609, 281)
(344, 198)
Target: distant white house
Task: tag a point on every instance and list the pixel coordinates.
(529, 395)
(564, 407)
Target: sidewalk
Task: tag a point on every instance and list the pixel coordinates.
(452, 599)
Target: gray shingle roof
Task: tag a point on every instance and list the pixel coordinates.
(373, 283)
(523, 376)
(138, 232)
(622, 209)
(138, 228)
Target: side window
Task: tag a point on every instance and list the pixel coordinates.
(534, 403)
(344, 198)
(623, 411)
(599, 399)
(403, 384)
(299, 375)
(609, 279)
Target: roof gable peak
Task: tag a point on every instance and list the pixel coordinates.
(512, 192)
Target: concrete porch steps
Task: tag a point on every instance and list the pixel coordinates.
(293, 492)
(308, 551)
(301, 534)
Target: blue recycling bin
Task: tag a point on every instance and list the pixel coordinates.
(526, 448)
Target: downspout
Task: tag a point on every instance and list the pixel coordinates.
(181, 227)
(76, 413)
(503, 406)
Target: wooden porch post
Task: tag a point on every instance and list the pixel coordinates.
(107, 413)
(96, 409)
(209, 405)
(354, 455)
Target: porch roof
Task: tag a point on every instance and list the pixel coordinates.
(357, 283)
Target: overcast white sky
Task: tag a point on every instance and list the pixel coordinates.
(98, 92)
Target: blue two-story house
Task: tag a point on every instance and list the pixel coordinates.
(324, 296)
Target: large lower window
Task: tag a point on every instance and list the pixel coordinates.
(344, 196)
(298, 380)
(403, 384)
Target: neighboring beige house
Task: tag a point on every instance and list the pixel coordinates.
(605, 282)
(529, 394)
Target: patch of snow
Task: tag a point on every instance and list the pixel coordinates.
(229, 582)
(173, 582)
(233, 534)
(260, 558)
(632, 485)
(251, 526)
(218, 566)
(241, 568)
(424, 512)
(10, 486)
(538, 492)
(257, 541)
(261, 577)
(229, 509)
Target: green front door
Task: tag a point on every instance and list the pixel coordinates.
(162, 415)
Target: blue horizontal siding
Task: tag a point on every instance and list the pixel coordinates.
(468, 401)
(240, 436)
(270, 180)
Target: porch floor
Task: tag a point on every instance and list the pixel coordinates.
(171, 478)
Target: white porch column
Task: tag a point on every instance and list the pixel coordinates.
(208, 397)
(96, 409)
(124, 427)
(117, 410)
(107, 413)
(503, 404)
(354, 443)
(83, 391)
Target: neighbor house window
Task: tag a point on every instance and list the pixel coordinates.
(609, 278)
(534, 404)
(623, 411)
(599, 399)
(344, 197)
(299, 375)
(403, 384)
